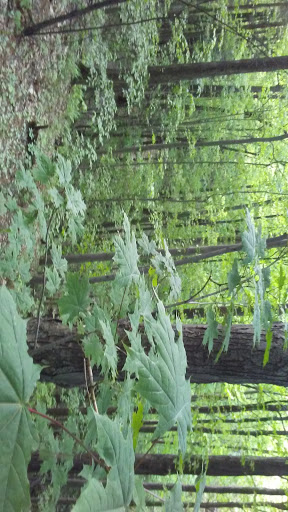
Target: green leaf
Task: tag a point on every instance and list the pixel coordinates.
(253, 243)
(110, 352)
(75, 227)
(59, 263)
(266, 314)
(148, 247)
(126, 256)
(118, 453)
(234, 277)
(173, 503)
(249, 239)
(97, 497)
(63, 170)
(137, 423)
(211, 332)
(53, 281)
(77, 299)
(200, 487)
(93, 349)
(25, 179)
(56, 197)
(45, 168)
(164, 263)
(75, 203)
(139, 495)
(18, 376)
(161, 374)
(269, 336)
(227, 331)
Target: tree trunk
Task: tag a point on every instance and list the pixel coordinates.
(177, 72)
(77, 13)
(63, 357)
(207, 252)
(199, 143)
(265, 491)
(219, 465)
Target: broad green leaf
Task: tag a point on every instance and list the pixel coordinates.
(249, 239)
(63, 170)
(118, 454)
(18, 376)
(93, 319)
(139, 495)
(59, 263)
(137, 423)
(45, 168)
(53, 281)
(164, 263)
(75, 227)
(200, 488)
(125, 404)
(77, 299)
(75, 203)
(266, 314)
(93, 349)
(25, 179)
(97, 497)
(161, 375)
(227, 334)
(110, 352)
(234, 277)
(56, 197)
(252, 241)
(148, 246)
(211, 332)
(174, 503)
(269, 336)
(126, 256)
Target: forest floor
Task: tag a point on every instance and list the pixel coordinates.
(34, 85)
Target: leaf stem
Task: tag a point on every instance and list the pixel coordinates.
(94, 457)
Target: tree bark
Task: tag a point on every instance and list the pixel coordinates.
(63, 357)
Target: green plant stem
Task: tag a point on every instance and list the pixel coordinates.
(94, 457)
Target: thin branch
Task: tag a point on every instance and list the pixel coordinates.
(99, 27)
(93, 456)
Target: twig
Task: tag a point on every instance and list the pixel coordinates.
(145, 454)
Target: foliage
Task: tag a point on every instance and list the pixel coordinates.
(159, 378)
(18, 378)
(40, 214)
(187, 194)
